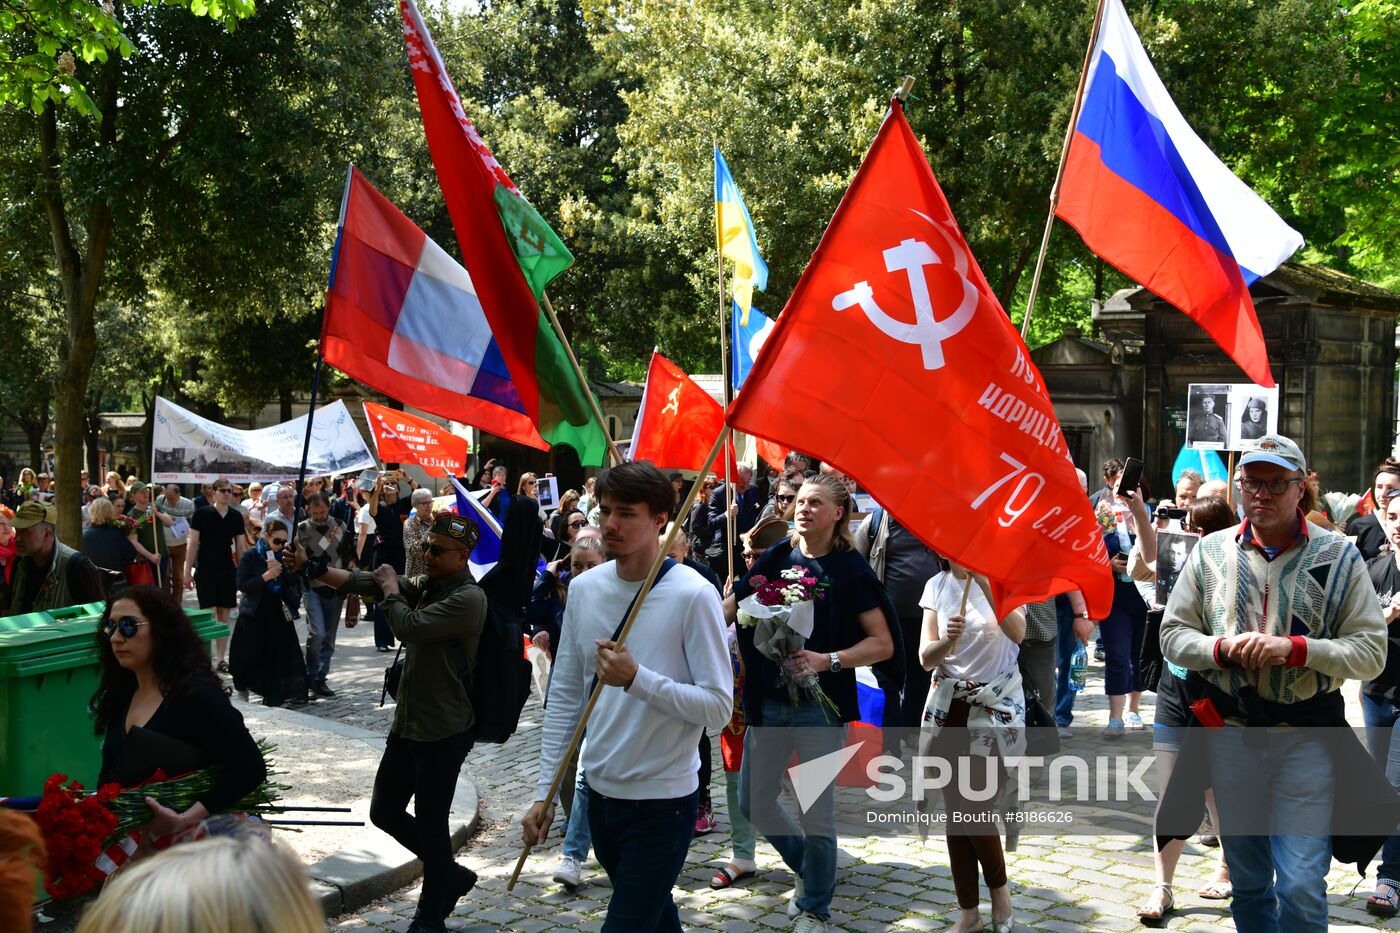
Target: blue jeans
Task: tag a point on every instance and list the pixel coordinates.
(322, 624)
(810, 851)
(577, 838)
(1382, 718)
(1064, 693)
(1121, 634)
(642, 845)
(1279, 879)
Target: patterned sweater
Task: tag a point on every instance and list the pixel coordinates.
(1318, 589)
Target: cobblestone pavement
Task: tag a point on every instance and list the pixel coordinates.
(1065, 883)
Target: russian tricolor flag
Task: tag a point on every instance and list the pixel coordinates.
(403, 317)
(1148, 196)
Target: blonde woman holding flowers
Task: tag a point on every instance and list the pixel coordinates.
(850, 629)
(25, 486)
(110, 541)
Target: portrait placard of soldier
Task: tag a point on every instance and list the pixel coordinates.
(1207, 416)
(1172, 550)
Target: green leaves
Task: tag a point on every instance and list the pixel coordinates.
(230, 162)
(36, 35)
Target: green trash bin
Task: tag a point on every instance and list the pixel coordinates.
(48, 671)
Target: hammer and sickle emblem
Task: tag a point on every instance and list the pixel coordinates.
(927, 331)
(673, 405)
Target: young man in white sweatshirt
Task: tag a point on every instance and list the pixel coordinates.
(671, 680)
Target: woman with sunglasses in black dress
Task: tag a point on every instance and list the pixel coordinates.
(161, 706)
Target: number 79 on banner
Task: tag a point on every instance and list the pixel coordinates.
(1026, 491)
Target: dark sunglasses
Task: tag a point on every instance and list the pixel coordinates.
(785, 498)
(437, 550)
(279, 542)
(127, 625)
(577, 524)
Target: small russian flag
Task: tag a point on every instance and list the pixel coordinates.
(488, 547)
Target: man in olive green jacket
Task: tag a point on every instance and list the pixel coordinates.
(439, 618)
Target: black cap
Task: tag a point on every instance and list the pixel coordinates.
(457, 528)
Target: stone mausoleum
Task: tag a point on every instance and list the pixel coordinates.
(1332, 349)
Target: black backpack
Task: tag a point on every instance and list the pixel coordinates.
(500, 685)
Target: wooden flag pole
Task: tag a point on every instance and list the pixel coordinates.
(622, 636)
(724, 315)
(156, 529)
(1060, 172)
(582, 380)
(962, 608)
(1230, 482)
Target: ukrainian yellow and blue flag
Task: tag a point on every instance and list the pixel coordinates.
(737, 240)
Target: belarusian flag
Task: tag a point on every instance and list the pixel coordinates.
(509, 250)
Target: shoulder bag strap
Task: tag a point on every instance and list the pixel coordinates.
(666, 565)
(384, 691)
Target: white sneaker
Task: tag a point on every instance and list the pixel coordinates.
(568, 872)
(809, 923)
(798, 890)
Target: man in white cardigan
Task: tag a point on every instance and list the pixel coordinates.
(1275, 615)
(670, 681)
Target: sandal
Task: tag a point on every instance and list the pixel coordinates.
(728, 876)
(1155, 916)
(1216, 890)
(1386, 901)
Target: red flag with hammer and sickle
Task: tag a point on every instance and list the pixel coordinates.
(679, 421)
(894, 362)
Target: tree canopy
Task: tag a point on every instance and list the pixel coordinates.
(188, 189)
(48, 39)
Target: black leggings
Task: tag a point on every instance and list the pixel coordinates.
(705, 766)
(426, 772)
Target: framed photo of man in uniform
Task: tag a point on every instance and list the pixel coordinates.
(1173, 547)
(1207, 416)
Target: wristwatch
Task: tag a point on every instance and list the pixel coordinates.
(835, 662)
